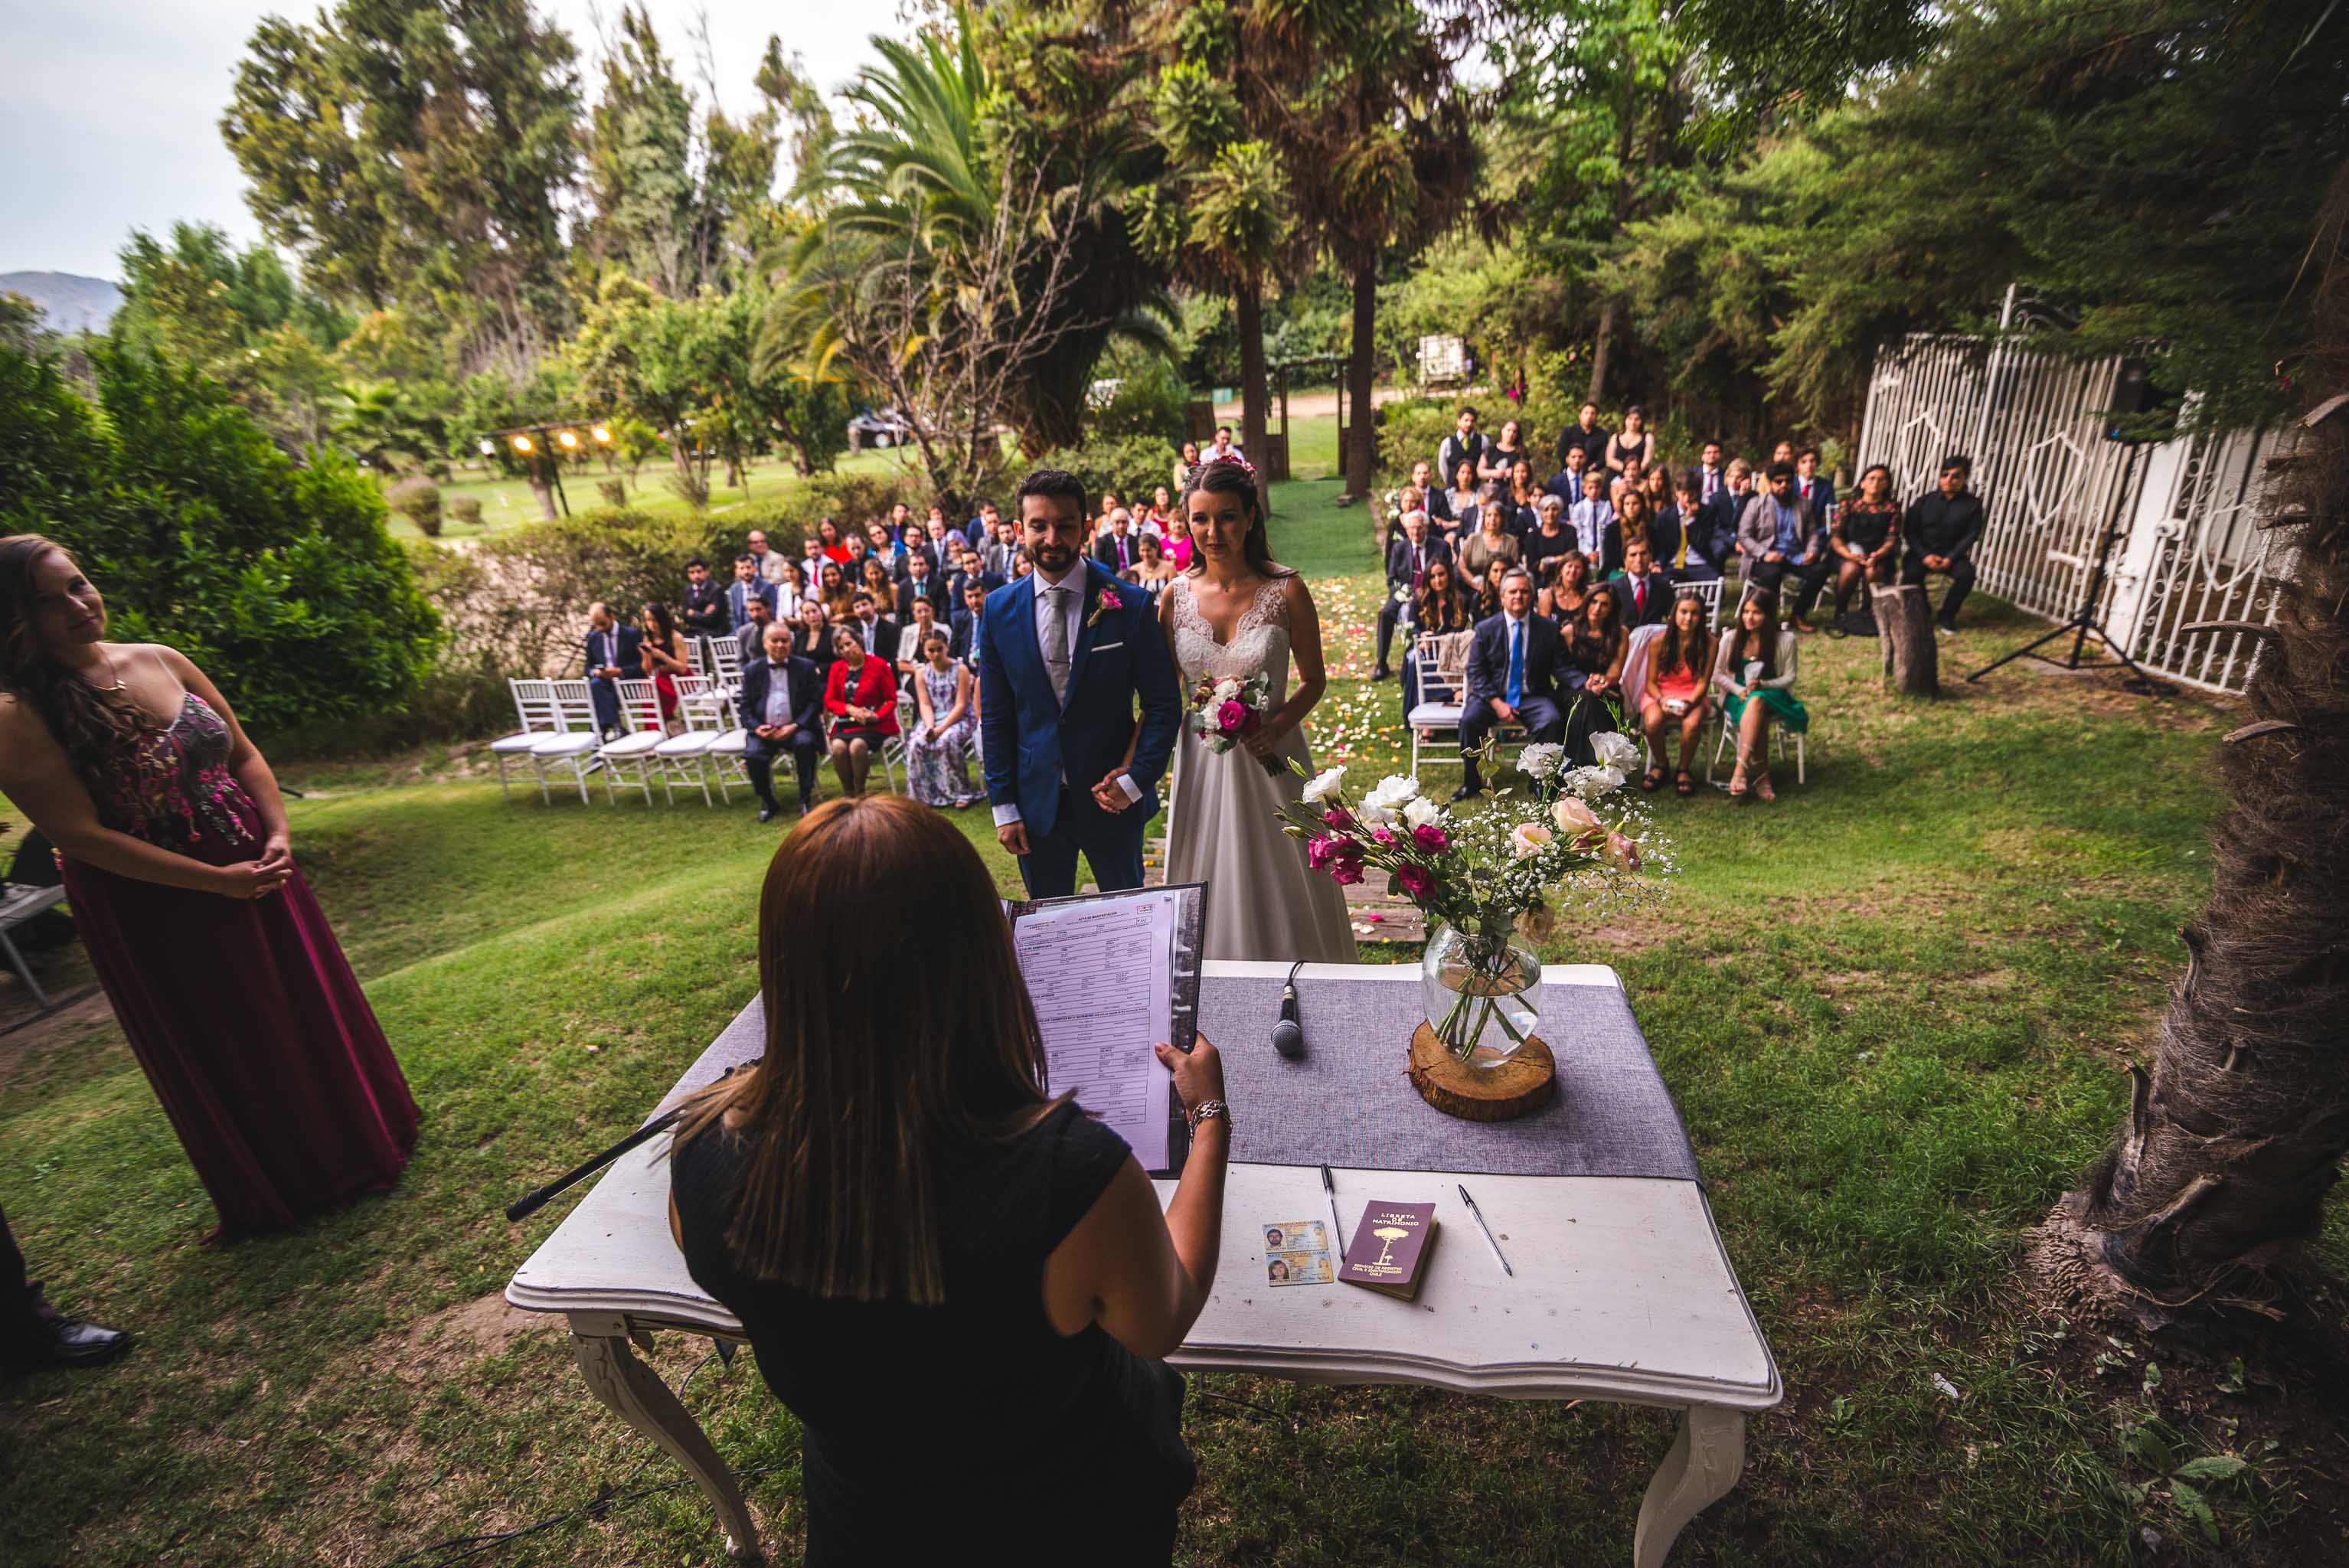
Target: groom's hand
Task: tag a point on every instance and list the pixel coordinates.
(1013, 836)
(1111, 795)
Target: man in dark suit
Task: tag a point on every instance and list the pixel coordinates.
(1780, 539)
(1463, 444)
(920, 582)
(1517, 673)
(1939, 529)
(1120, 548)
(706, 614)
(1586, 433)
(963, 644)
(751, 634)
(879, 632)
(748, 585)
(783, 709)
(1715, 537)
(1644, 595)
(1409, 555)
(613, 652)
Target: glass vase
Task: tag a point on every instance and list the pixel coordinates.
(1482, 993)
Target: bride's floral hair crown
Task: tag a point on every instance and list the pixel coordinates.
(1230, 475)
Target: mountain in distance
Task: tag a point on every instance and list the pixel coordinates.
(69, 301)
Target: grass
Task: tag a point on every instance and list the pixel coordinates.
(1893, 1009)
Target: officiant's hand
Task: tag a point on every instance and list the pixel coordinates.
(1013, 836)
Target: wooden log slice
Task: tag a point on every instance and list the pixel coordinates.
(1504, 1093)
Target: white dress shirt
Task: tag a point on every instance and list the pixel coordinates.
(779, 693)
(1067, 599)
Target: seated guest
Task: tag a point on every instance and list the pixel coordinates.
(1631, 521)
(1702, 557)
(833, 591)
(1632, 443)
(1939, 533)
(860, 695)
(781, 709)
(996, 553)
(1110, 507)
(1186, 460)
(982, 527)
(1679, 667)
(1755, 672)
(812, 558)
(1563, 596)
(1223, 451)
(614, 654)
(1487, 602)
(1596, 645)
(1631, 476)
(972, 569)
(664, 656)
(964, 643)
(1508, 448)
(920, 586)
(943, 1270)
(769, 562)
(909, 655)
(812, 639)
(1495, 541)
(937, 753)
(1119, 548)
(831, 542)
(1463, 446)
(1020, 564)
(876, 581)
(705, 610)
(790, 587)
(750, 637)
(1522, 495)
(1152, 568)
(1783, 452)
(1866, 536)
(1157, 517)
(896, 527)
(1550, 541)
(877, 632)
(1423, 479)
(860, 550)
(1441, 605)
(746, 585)
(1590, 517)
(1179, 549)
(1644, 595)
(1718, 523)
(1409, 555)
(1774, 534)
(1712, 477)
(1462, 506)
(1517, 673)
(1814, 486)
(1566, 483)
(1585, 434)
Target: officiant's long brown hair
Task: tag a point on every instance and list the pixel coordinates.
(865, 1073)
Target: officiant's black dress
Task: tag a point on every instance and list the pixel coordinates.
(974, 1428)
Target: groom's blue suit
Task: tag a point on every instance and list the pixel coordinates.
(1044, 756)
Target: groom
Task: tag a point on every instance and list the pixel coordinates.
(1064, 655)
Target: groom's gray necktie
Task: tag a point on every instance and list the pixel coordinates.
(1055, 640)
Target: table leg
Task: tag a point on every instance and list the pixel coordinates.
(1698, 1469)
(637, 1394)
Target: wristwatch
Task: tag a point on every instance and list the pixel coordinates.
(1208, 1110)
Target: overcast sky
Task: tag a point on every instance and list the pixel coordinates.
(109, 114)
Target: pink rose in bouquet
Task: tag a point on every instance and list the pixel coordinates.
(1233, 719)
(1430, 837)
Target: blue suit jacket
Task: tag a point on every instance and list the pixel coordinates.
(630, 661)
(1032, 742)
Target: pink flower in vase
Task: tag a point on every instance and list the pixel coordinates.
(1416, 881)
(1430, 837)
(1340, 819)
(1384, 837)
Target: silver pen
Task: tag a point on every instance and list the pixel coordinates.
(1336, 1231)
(1479, 1216)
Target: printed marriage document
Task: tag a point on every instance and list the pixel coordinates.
(1099, 973)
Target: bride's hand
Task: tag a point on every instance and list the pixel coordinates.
(1264, 742)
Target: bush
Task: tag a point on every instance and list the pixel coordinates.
(1411, 433)
(854, 499)
(613, 492)
(1132, 466)
(466, 508)
(1149, 401)
(280, 582)
(417, 498)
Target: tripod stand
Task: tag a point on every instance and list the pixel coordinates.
(2084, 622)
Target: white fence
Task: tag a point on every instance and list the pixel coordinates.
(2188, 549)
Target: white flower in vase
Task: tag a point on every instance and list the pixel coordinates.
(1542, 759)
(1420, 811)
(1384, 804)
(1618, 752)
(1324, 785)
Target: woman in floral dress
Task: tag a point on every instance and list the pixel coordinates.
(937, 753)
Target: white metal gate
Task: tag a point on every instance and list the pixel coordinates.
(2189, 548)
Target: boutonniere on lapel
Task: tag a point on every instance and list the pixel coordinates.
(1107, 601)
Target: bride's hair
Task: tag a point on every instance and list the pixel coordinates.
(1235, 478)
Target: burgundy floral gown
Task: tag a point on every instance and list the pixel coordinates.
(244, 1014)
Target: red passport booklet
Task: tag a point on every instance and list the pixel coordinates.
(1389, 1251)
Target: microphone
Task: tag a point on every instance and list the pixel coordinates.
(1288, 1035)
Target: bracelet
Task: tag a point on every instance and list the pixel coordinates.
(1208, 1110)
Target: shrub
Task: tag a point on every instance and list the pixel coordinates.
(1149, 401)
(1132, 466)
(280, 582)
(1411, 432)
(854, 499)
(417, 498)
(613, 492)
(466, 508)
(692, 488)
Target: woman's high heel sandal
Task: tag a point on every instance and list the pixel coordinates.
(1761, 790)
(1737, 788)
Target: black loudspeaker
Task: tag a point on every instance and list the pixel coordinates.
(2137, 402)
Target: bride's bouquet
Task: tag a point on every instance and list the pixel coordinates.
(1225, 712)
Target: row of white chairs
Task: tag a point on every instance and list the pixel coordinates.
(557, 739)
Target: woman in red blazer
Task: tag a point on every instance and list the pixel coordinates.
(860, 695)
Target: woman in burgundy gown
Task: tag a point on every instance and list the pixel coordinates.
(222, 970)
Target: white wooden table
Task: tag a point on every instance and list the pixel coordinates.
(1623, 1293)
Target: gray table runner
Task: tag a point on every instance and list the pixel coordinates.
(1346, 1102)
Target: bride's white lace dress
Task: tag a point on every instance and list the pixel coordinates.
(1266, 902)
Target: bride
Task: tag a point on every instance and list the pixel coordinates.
(1233, 614)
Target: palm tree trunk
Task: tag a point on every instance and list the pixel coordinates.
(1602, 342)
(2233, 1140)
(1248, 306)
(1361, 439)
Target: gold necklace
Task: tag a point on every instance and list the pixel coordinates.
(119, 683)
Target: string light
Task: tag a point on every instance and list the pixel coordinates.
(570, 438)
(521, 443)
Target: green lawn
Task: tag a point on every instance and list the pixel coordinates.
(1893, 1008)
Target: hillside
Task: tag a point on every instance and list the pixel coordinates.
(69, 301)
